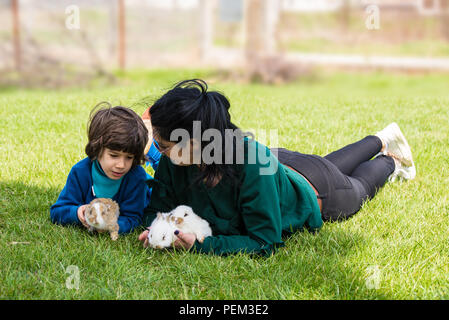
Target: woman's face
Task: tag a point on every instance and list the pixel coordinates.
(179, 155)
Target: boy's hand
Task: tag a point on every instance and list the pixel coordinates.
(81, 217)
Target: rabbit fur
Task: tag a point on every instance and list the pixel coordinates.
(182, 218)
(102, 214)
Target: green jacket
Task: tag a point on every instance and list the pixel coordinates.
(269, 201)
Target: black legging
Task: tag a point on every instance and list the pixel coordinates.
(345, 178)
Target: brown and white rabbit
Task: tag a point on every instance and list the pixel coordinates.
(187, 221)
(182, 218)
(102, 214)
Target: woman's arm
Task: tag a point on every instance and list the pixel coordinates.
(261, 215)
(162, 195)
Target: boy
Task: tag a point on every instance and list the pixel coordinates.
(117, 139)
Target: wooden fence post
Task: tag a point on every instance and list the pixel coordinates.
(205, 28)
(16, 34)
(260, 20)
(122, 34)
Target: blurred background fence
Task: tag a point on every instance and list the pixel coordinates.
(277, 39)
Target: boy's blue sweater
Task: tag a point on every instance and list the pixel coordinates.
(132, 197)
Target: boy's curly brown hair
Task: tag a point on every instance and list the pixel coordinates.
(117, 128)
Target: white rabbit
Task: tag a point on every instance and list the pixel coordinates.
(187, 221)
(162, 232)
(102, 214)
(163, 227)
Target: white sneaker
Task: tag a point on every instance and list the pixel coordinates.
(398, 148)
(401, 171)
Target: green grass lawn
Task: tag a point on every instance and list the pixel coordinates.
(396, 247)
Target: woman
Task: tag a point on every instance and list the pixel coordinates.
(250, 197)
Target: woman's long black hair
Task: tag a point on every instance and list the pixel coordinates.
(189, 101)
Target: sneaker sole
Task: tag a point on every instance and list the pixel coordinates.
(407, 173)
(401, 146)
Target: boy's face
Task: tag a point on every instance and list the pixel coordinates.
(115, 163)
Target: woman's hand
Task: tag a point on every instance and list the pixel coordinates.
(185, 240)
(143, 237)
(81, 216)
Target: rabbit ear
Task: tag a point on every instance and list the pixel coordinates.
(159, 215)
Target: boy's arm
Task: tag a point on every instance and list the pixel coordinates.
(64, 211)
(131, 209)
